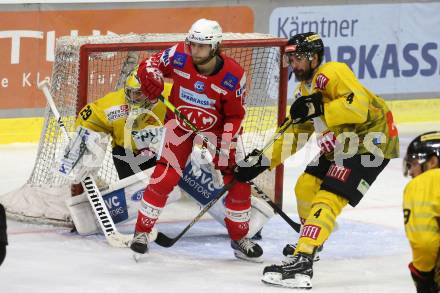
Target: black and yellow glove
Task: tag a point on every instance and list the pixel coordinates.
(251, 166)
(307, 107)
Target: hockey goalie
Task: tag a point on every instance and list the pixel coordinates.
(134, 124)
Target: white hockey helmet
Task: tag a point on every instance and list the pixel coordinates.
(205, 31)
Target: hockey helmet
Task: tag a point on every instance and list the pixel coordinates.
(205, 31)
(133, 93)
(421, 149)
(306, 44)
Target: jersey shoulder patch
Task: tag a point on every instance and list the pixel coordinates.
(232, 73)
(321, 81)
(178, 56)
(332, 71)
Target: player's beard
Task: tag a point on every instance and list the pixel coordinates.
(202, 61)
(303, 75)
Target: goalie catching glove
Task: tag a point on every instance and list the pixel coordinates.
(251, 166)
(83, 155)
(307, 107)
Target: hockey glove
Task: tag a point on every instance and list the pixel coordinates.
(424, 281)
(151, 79)
(251, 166)
(307, 107)
(84, 154)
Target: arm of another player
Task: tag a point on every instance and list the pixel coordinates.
(346, 100)
(233, 111)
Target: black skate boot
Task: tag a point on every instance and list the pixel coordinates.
(289, 250)
(247, 250)
(296, 272)
(139, 244)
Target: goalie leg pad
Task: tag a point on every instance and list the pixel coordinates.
(82, 214)
(261, 212)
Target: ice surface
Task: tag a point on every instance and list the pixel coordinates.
(367, 253)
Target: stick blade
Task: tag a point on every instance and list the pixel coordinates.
(163, 240)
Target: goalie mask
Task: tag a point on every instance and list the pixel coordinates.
(205, 31)
(421, 149)
(133, 93)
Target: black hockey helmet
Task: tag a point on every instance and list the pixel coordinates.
(422, 148)
(307, 43)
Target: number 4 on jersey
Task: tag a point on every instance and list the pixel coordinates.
(318, 212)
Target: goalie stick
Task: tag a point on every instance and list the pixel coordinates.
(114, 238)
(164, 240)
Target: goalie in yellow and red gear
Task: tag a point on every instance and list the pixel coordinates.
(356, 136)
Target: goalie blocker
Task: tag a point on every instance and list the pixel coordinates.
(123, 200)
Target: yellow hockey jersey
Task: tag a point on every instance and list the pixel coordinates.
(110, 114)
(348, 108)
(421, 210)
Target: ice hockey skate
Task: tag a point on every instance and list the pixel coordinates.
(139, 245)
(297, 272)
(289, 250)
(247, 250)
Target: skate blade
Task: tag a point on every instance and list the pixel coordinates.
(242, 256)
(137, 256)
(299, 282)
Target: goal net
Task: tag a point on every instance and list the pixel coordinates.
(87, 68)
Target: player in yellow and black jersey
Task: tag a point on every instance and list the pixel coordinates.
(421, 210)
(356, 136)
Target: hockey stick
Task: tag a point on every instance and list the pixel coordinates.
(166, 241)
(114, 238)
(261, 194)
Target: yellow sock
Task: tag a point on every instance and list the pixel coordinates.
(326, 206)
(305, 190)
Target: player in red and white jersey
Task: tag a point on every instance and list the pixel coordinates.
(209, 89)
